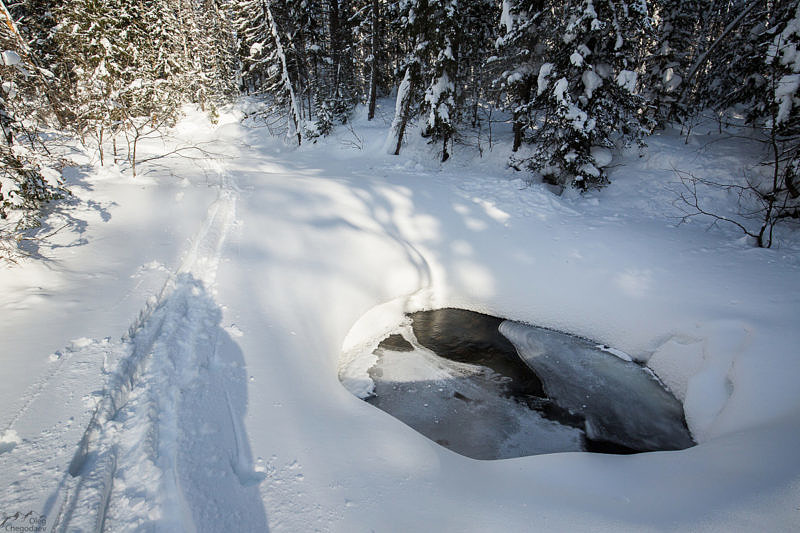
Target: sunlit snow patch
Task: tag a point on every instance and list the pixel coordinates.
(492, 389)
(8, 441)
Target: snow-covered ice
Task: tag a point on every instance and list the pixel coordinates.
(620, 402)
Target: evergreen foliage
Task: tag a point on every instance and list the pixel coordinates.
(575, 78)
(29, 173)
(576, 91)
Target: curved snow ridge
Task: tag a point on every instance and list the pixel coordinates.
(137, 427)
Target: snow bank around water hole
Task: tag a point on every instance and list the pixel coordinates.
(363, 338)
(589, 265)
(698, 370)
(374, 236)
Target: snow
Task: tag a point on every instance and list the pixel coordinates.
(602, 156)
(577, 118)
(506, 18)
(9, 88)
(544, 73)
(439, 97)
(627, 80)
(784, 45)
(256, 49)
(785, 96)
(591, 81)
(560, 90)
(190, 326)
(613, 351)
(671, 80)
(8, 440)
(590, 170)
(10, 57)
(390, 144)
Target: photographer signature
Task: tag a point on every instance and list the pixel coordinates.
(31, 517)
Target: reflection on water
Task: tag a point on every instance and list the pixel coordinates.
(492, 389)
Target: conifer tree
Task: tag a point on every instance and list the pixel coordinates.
(409, 21)
(29, 173)
(674, 48)
(439, 101)
(584, 56)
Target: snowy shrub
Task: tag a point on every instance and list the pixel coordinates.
(29, 175)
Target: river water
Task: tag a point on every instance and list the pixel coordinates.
(489, 388)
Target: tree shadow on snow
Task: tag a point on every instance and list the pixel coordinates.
(63, 223)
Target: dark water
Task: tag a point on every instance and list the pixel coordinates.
(484, 396)
(474, 338)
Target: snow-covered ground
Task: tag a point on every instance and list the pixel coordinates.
(172, 360)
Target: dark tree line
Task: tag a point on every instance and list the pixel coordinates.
(575, 78)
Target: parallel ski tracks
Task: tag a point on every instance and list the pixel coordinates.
(133, 432)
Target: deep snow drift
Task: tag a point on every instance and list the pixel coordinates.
(172, 361)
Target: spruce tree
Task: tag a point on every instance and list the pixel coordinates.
(584, 56)
(441, 70)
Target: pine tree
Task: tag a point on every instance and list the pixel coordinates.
(252, 27)
(369, 27)
(477, 23)
(521, 48)
(285, 80)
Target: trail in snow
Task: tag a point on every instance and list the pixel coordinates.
(166, 448)
(157, 442)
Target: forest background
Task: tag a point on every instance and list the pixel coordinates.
(573, 80)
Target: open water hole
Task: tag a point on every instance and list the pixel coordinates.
(490, 388)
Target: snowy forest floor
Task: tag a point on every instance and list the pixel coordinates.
(171, 359)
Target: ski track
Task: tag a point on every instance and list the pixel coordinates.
(158, 428)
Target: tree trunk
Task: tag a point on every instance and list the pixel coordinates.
(373, 71)
(336, 44)
(295, 118)
(518, 128)
(401, 112)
